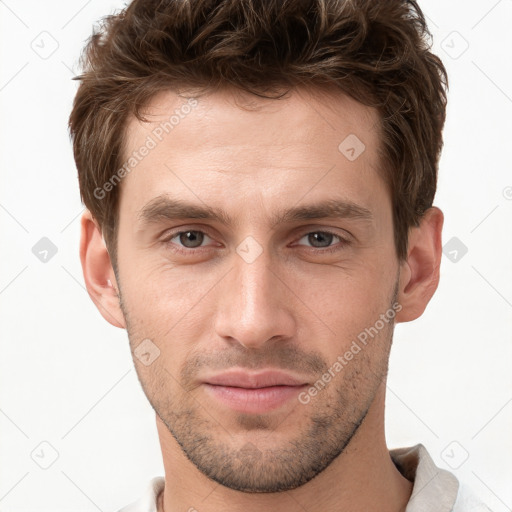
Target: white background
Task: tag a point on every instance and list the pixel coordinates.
(67, 377)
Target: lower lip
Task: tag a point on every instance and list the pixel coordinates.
(255, 401)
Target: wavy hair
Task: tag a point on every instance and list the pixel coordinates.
(376, 52)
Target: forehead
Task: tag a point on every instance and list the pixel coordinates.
(227, 117)
(227, 143)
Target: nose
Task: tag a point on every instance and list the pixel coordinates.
(254, 307)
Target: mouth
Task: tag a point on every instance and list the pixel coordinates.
(254, 393)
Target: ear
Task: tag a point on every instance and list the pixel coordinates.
(419, 274)
(99, 276)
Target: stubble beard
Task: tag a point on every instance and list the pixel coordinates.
(333, 418)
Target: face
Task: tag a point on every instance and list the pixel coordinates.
(258, 278)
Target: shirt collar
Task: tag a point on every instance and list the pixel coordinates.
(433, 488)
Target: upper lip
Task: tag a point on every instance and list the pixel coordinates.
(263, 379)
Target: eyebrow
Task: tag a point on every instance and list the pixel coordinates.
(164, 208)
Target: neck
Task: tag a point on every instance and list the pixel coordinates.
(363, 477)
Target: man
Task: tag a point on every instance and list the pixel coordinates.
(259, 179)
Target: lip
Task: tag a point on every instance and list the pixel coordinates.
(264, 379)
(253, 393)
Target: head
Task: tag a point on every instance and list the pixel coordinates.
(259, 180)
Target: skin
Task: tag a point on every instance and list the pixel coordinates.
(295, 307)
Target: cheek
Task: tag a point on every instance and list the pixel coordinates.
(163, 302)
(350, 308)
(348, 296)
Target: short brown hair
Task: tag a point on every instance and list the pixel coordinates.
(376, 52)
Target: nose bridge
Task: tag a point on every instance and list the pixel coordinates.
(254, 279)
(254, 305)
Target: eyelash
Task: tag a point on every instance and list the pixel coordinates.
(329, 250)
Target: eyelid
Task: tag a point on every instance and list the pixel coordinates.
(301, 232)
(344, 240)
(170, 234)
(342, 233)
(323, 231)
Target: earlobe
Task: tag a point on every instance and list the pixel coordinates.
(419, 274)
(98, 273)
